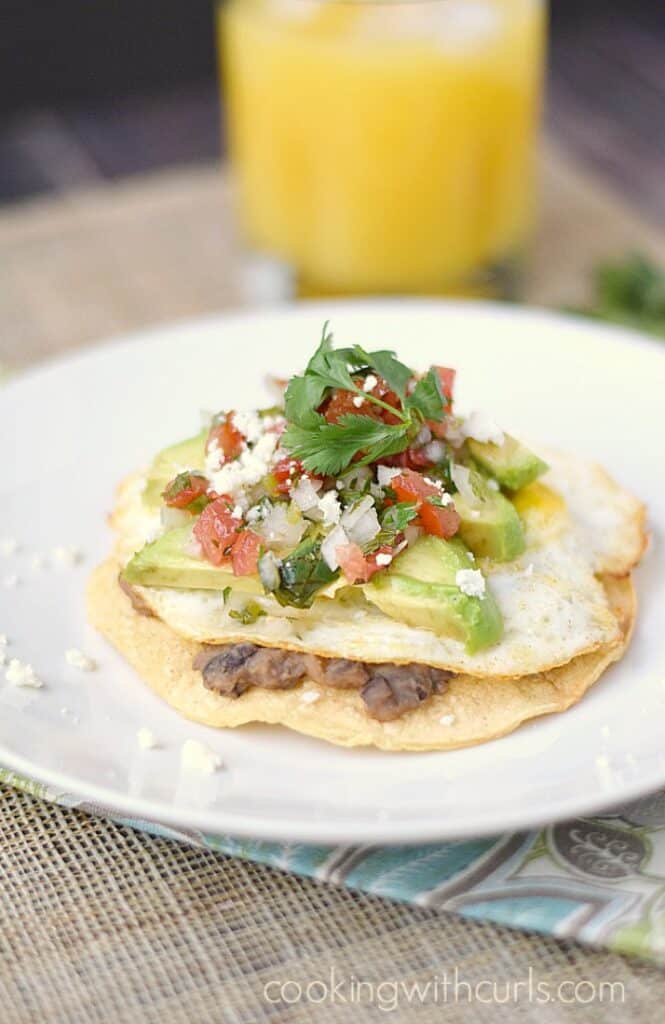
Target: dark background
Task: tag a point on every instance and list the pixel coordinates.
(97, 89)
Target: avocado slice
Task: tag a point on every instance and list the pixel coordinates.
(420, 589)
(491, 527)
(189, 454)
(511, 463)
(165, 563)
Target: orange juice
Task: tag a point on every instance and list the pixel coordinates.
(384, 146)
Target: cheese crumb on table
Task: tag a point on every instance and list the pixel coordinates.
(80, 660)
(8, 546)
(198, 759)
(146, 738)
(471, 582)
(11, 581)
(20, 673)
(66, 556)
(3, 640)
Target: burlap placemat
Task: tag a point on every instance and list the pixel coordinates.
(99, 923)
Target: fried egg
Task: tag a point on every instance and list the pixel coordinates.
(578, 524)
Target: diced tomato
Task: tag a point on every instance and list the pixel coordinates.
(285, 472)
(229, 439)
(185, 489)
(341, 402)
(440, 521)
(245, 553)
(412, 486)
(216, 530)
(353, 563)
(372, 566)
(447, 379)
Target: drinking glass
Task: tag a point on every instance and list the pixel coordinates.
(385, 146)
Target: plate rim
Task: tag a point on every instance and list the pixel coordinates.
(305, 829)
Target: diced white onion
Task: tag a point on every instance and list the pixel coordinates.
(434, 451)
(355, 478)
(335, 539)
(173, 517)
(304, 494)
(461, 477)
(384, 474)
(280, 528)
(411, 534)
(269, 571)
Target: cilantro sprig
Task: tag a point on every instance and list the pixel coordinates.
(328, 448)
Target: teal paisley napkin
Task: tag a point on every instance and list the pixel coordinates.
(599, 880)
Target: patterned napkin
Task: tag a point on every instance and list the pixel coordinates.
(598, 880)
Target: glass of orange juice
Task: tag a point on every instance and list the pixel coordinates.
(385, 146)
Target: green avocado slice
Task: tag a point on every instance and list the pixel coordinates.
(490, 527)
(511, 463)
(420, 590)
(166, 465)
(165, 563)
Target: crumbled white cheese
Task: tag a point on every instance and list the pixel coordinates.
(337, 538)
(447, 720)
(330, 508)
(8, 546)
(146, 738)
(383, 558)
(309, 696)
(11, 581)
(471, 582)
(358, 401)
(237, 512)
(481, 427)
(249, 424)
(248, 469)
(370, 382)
(198, 759)
(474, 513)
(77, 659)
(529, 569)
(493, 484)
(66, 556)
(433, 483)
(20, 673)
(384, 474)
(3, 640)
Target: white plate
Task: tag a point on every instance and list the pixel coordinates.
(70, 430)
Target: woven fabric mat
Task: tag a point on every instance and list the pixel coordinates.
(102, 923)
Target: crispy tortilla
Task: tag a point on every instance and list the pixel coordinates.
(483, 708)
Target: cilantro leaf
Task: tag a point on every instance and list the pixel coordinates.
(302, 573)
(428, 398)
(395, 374)
(398, 516)
(332, 446)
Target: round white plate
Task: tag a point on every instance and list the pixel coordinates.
(70, 430)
